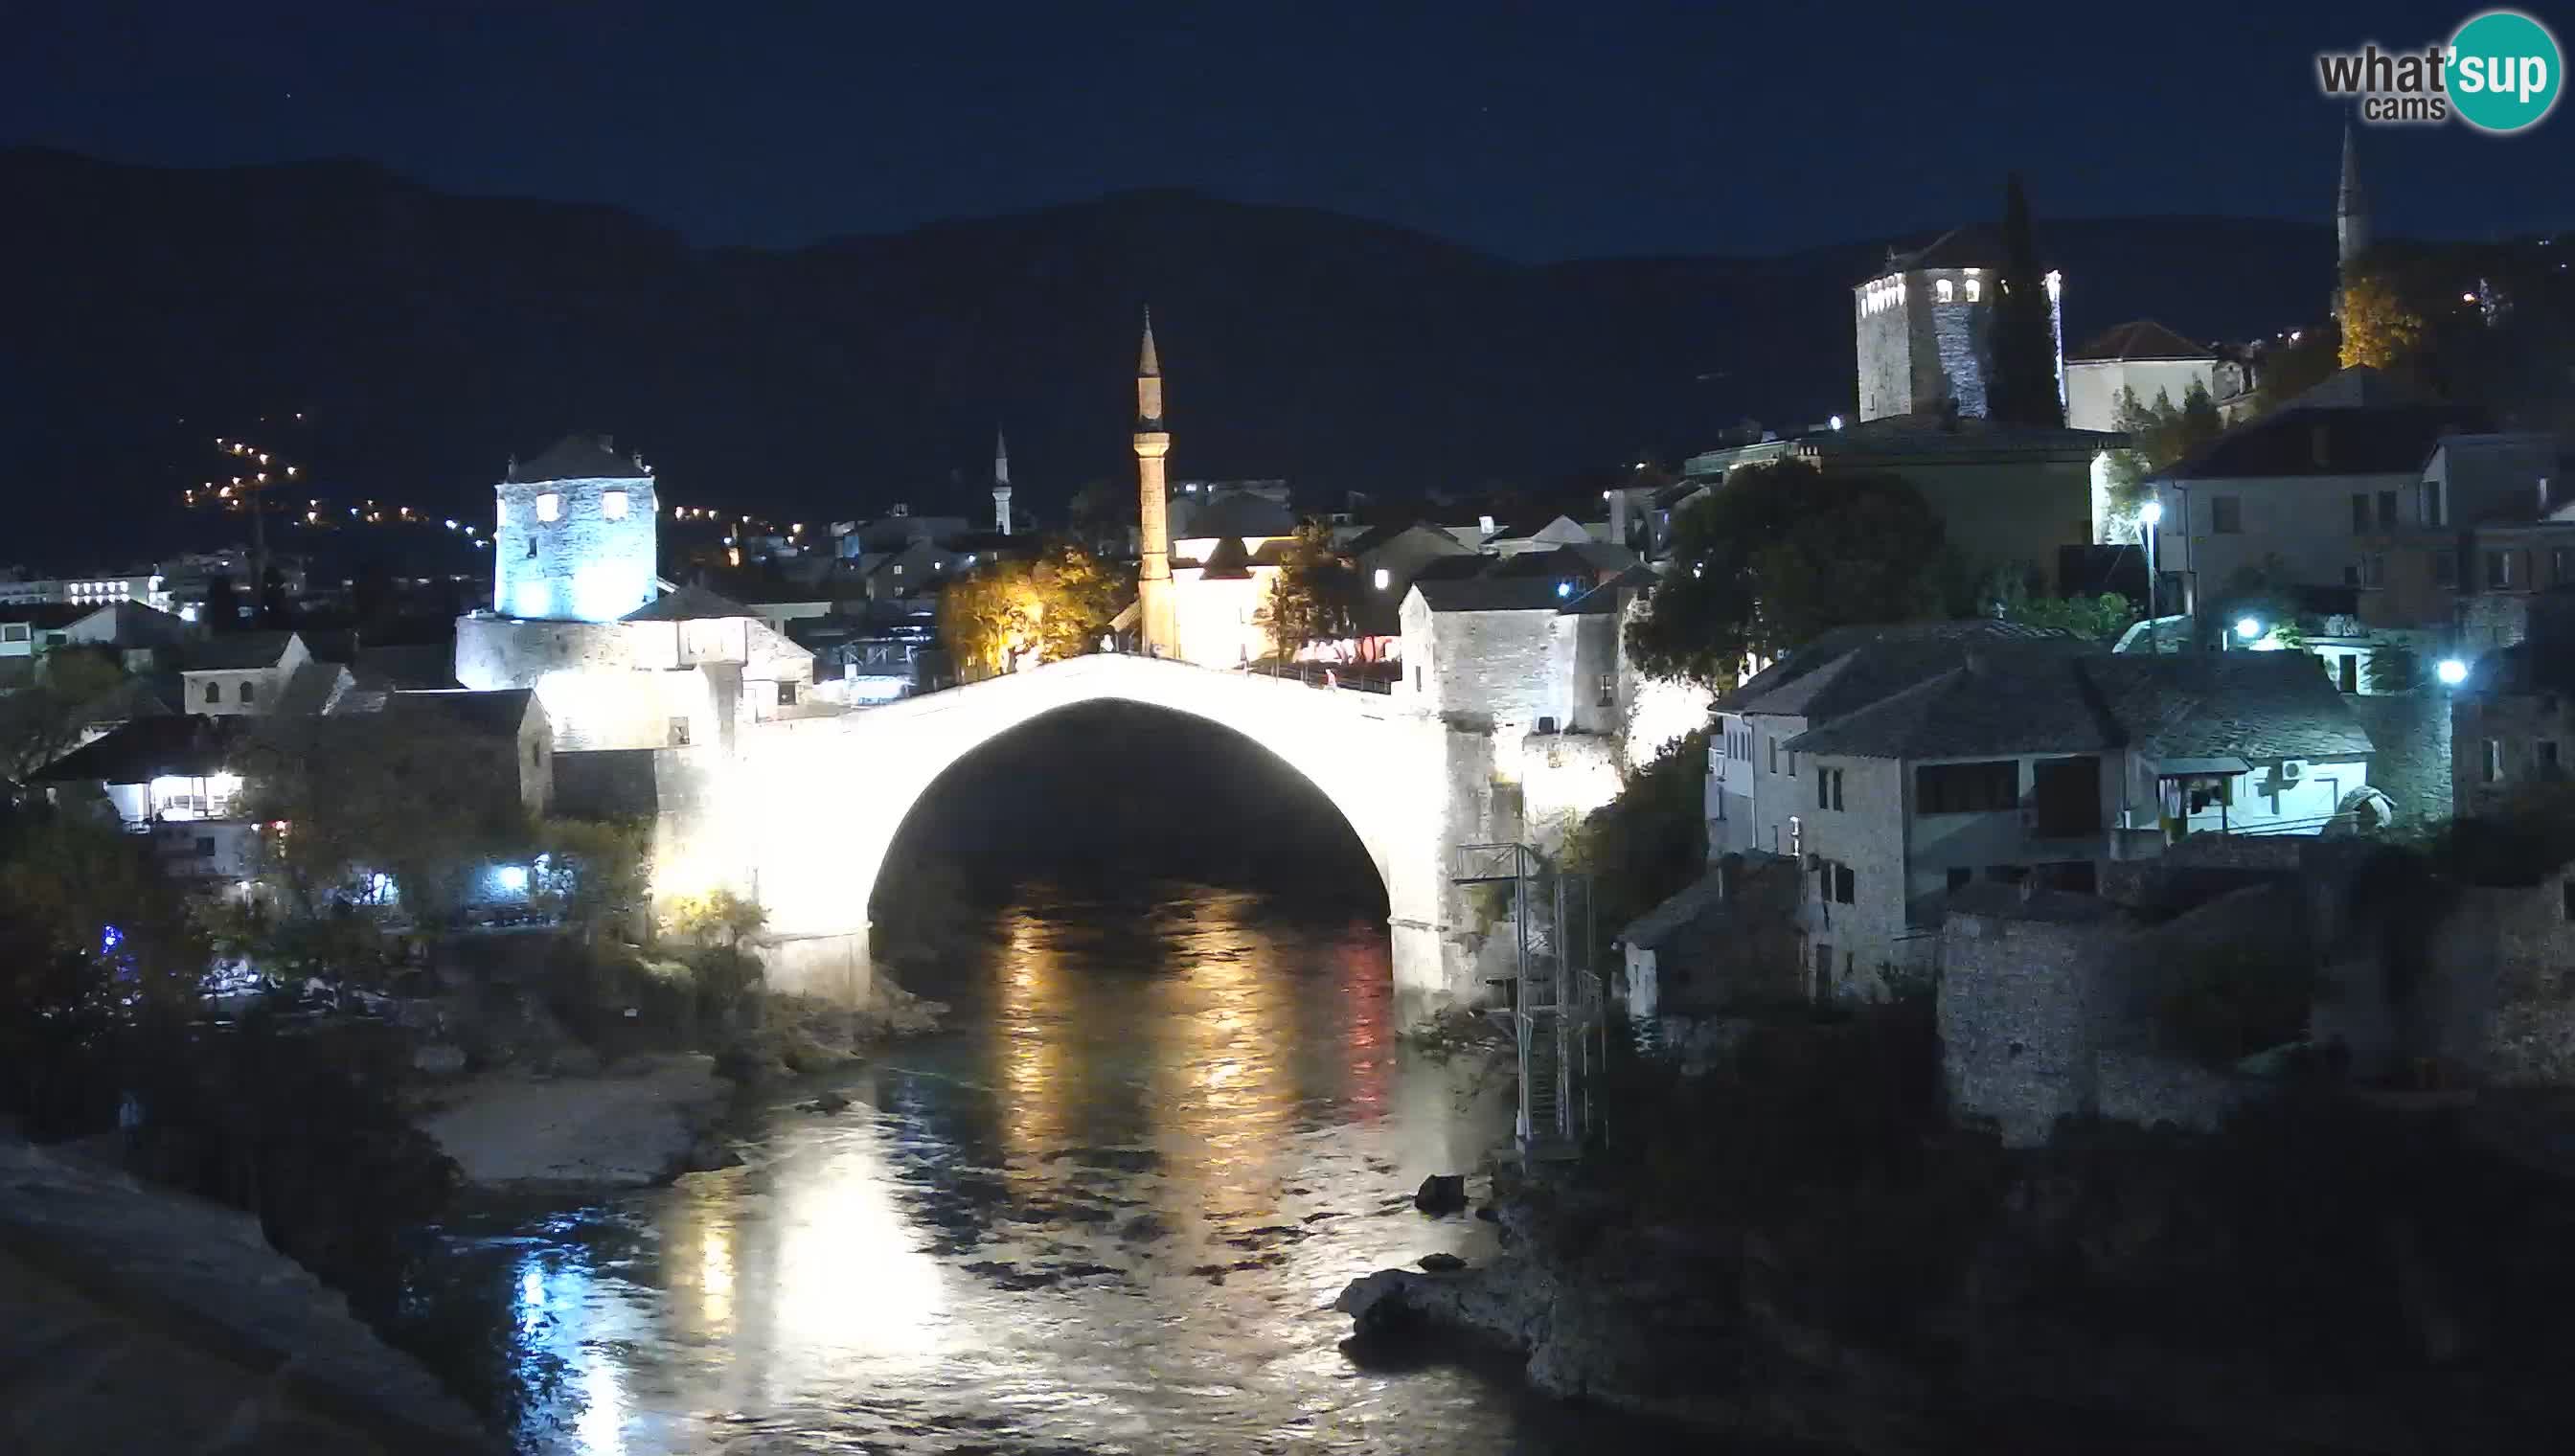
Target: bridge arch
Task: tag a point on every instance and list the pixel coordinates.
(816, 803)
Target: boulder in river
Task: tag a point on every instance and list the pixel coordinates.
(1442, 1194)
(1441, 1263)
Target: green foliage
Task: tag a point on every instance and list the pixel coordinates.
(1011, 611)
(714, 917)
(93, 937)
(46, 718)
(383, 793)
(2022, 348)
(1649, 842)
(1779, 553)
(2161, 435)
(2099, 617)
(597, 871)
(2392, 667)
(1314, 597)
(2233, 1003)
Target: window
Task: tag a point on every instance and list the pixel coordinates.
(2561, 565)
(2498, 569)
(612, 505)
(214, 693)
(1828, 789)
(2387, 510)
(2360, 511)
(1608, 690)
(1946, 290)
(2493, 764)
(1793, 763)
(13, 631)
(2066, 792)
(1975, 289)
(2349, 664)
(2566, 898)
(2544, 753)
(1797, 837)
(2226, 515)
(1823, 971)
(2432, 504)
(2373, 569)
(1950, 788)
(1416, 680)
(248, 691)
(1775, 755)
(550, 507)
(679, 732)
(1846, 885)
(1959, 875)
(1382, 577)
(2445, 569)
(204, 846)
(785, 694)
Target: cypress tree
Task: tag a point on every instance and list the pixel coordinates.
(2022, 390)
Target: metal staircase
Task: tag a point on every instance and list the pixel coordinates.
(1555, 994)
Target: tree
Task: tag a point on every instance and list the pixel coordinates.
(48, 717)
(1079, 596)
(714, 917)
(2023, 387)
(593, 872)
(1314, 597)
(2382, 329)
(377, 794)
(222, 609)
(2099, 617)
(1779, 553)
(1010, 613)
(2161, 435)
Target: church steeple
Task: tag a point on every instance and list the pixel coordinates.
(1001, 482)
(1158, 620)
(2351, 205)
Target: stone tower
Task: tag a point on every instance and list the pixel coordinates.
(1922, 326)
(577, 536)
(1156, 622)
(1001, 482)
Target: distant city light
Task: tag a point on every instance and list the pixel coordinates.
(2451, 671)
(2247, 628)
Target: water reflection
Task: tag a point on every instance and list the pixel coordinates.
(1104, 1210)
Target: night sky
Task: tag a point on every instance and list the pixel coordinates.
(1536, 131)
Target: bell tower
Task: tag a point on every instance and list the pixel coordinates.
(1157, 623)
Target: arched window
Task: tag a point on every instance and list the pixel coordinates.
(214, 693)
(248, 691)
(1947, 289)
(1975, 289)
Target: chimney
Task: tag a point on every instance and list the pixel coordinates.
(1618, 515)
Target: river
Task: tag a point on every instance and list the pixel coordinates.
(1104, 1209)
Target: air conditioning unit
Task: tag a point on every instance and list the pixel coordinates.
(2291, 769)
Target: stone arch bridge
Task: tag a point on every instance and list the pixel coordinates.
(804, 812)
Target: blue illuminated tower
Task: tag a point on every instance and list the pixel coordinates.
(577, 535)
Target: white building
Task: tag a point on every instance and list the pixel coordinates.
(2018, 763)
(246, 672)
(2143, 355)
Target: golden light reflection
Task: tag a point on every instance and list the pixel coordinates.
(1225, 1095)
(850, 1278)
(1037, 1011)
(715, 1279)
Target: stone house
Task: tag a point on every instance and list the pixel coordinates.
(2306, 492)
(2020, 764)
(1727, 941)
(2141, 355)
(2491, 521)
(1922, 324)
(244, 673)
(172, 780)
(2512, 722)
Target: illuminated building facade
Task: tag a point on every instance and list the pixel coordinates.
(575, 537)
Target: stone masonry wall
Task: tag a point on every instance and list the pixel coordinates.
(2023, 1007)
(2410, 762)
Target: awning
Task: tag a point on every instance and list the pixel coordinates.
(2201, 767)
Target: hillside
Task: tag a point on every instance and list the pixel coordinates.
(430, 336)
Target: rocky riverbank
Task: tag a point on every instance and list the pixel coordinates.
(2323, 1278)
(640, 1122)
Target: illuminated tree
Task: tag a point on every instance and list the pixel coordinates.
(2161, 435)
(2381, 328)
(1008, 612)
(1779, 553)
(1314, 597)
(1079, 596)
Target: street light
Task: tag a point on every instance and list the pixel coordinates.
(2451, 671)
(2150, 515)
(2248, 628)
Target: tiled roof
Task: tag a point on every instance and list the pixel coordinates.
(237, 652)
(580, 457)
(2254, 706)
(688, 604)
(146, 748)
(495, 713)
(2140, 339)
(2316, 439)
(1888, 658)
(1491, 594)
(1227, 561)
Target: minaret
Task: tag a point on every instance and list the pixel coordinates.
(1001, 482)
(1157, 625)
(2351, 206)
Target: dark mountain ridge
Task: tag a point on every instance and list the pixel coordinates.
(430, 336)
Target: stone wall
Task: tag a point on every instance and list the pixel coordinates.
(2410, 762)
(1957, 341)
(2151, 1091)
(2499, 1000)
(582, 564)
(135, 1319)
(2024, 1005)
(1885, 351)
